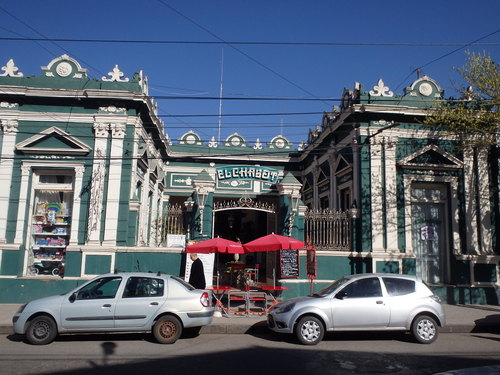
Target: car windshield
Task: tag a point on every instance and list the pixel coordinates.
(330, 288)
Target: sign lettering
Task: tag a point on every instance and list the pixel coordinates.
(247, 173)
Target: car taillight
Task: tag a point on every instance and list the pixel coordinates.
(205, 300)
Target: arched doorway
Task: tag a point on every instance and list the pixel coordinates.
(244, 222)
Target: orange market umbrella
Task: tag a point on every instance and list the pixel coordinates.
(273, 242)
(216, 245)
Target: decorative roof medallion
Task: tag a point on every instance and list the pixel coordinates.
(280, 142)
(190, 138)
(64, 66)
(11, 70)
(235, 140)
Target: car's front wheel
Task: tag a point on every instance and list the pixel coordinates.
(424, 329)
(309, 330)
(41, 330)
(167, 330)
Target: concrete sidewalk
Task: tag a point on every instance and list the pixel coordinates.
(460, 319)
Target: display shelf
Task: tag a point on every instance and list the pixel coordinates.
(50, 233)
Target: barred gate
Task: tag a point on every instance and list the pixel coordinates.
(171, 223)
(328, 230)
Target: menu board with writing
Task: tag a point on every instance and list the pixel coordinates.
(289, 262)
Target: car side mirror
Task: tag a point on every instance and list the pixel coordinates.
(72, 297)
(341, 295)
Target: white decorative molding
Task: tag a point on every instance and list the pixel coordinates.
(8, 105)
(101, 129)
(213, 143)
(11, 70)
(64, 67)
(9, 126)
(116, 75)
(381, 90)
(112, 109)
(257, 145)
(30, 145)
(118, 130)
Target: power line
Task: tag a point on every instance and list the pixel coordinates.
(445, 55)
(249, 43)
(237, 49)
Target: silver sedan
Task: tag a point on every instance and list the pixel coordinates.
(365, 302)
(118, 302)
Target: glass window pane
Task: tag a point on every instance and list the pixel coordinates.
(399, 287)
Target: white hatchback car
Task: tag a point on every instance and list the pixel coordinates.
(118, 302)
(365, 302)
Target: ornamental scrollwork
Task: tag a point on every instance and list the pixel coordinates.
(11, 70)
(381, 90)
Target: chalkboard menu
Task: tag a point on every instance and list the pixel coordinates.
(289, 262)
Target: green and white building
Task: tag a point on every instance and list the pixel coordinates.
(91, 183)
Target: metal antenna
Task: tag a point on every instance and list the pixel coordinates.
(220, 95)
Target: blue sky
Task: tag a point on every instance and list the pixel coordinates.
(250, 71)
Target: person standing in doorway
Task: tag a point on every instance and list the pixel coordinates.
(197, 276)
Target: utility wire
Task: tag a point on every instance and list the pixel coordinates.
(248, 43)
(443, 56)
(237, 49)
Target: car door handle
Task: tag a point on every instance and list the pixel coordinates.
(153, 304)
(107, 305)
(380, 302)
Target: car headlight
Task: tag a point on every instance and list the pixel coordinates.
(281, 309)
(21, 308)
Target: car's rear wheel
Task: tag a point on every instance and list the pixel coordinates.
(167, 330)
(41, 330)
(425, 329)
(309, 330)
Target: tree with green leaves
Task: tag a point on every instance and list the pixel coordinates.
(475, 116)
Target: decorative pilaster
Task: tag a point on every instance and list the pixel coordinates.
(97, 183)
(6, 167)
(377, 191)
(333, 205)
(484, 207)
(391, 208)
(471, 209)
(23, 201)
(153, 235)
(114, 184)
(143, 231)
(316, 174)
(76, 205)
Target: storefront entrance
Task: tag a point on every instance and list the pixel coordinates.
(245, 225)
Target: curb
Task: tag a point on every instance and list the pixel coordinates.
(261, 328)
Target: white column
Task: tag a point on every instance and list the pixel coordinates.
(484, 203)
(97, 183)
(143, 213)
(470, 204)
(376, 194)
(23, 199)
(153, 235)
(75, 214)
(6, 168)
(391, 208)
(114, 184)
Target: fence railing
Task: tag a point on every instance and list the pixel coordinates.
(328, 230)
